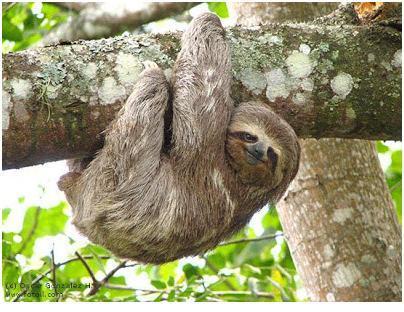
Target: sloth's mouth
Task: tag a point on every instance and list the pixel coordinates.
(252, 159)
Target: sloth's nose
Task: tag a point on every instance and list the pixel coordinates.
(257, 150)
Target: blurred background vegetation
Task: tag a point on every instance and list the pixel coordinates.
(43, 253)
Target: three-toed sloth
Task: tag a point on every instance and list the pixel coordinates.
(152, 204)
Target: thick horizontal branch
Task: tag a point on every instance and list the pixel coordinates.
(327, 81)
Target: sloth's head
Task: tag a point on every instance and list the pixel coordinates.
(262, 148)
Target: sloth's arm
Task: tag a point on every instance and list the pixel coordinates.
(133, 141)
(201, 83)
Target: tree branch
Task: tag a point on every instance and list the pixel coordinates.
(215, 270)
(249, 240)
(216, 293)
(57, 265)
(53, 268)
(31, 231)
(98, 285)
(95, 281)
(325, 80)
(107, 19)
(75, 6)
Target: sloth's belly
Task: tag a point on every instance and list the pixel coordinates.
(171, 234)
(180, 222)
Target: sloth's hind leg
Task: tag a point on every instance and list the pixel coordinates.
(134, 140)
(132, 147)
(68, 183)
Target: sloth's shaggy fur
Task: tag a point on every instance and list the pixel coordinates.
(154, 204)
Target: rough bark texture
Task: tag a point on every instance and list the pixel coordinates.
(341, 225)
(338, 216)
(326, 80)
(107, 19)
(275, 12)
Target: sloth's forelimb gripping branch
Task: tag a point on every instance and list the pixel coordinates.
(201, 80)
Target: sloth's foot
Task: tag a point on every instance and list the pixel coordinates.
(68, 180)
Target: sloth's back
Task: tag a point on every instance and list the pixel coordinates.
(168, 218)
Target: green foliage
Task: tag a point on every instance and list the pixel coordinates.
(246, 271)
(381, 148)
(220, 8)
(394, 176)
(38, 222)
(26, 23)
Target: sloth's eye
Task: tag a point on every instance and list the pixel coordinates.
(249, 138)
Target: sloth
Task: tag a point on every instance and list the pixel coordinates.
(153, 204)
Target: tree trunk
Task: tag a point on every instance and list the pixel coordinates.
(340, 224)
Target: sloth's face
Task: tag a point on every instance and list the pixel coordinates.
(261, 147)
(253, 155)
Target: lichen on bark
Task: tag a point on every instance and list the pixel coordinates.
(75, 89)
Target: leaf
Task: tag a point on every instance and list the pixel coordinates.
(170, 281)
(190, 270)
(11, 273)
(74, 271)
(53, 220)
(201, 296)
(6, 246)
(396, 162)
(5, 212)
(158, 284)
(49, 10)
(18, 14)
(117, 280)
(259, 249)
(10, 31)
(398, 202)
(171, 296)
(220, 8)
(40, 222)
(217, 260)
(250, 271)
(271, 220)
(31, 21)
(158, 298)
(27, 42)
(186, 293)
(166, 270)
(381, 148)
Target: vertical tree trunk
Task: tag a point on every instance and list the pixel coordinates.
(340, 223)
(338, 216)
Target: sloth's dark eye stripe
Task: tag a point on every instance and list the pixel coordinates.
(238, 134)
(273, 157)
(245, 136)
